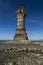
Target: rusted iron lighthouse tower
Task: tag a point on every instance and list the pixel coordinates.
(20, 30)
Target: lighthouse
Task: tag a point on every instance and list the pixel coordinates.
(20, 30)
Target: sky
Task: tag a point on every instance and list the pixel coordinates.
(33, 22)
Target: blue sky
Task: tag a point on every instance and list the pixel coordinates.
(33, 22)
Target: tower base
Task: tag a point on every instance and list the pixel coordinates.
(20, 35)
